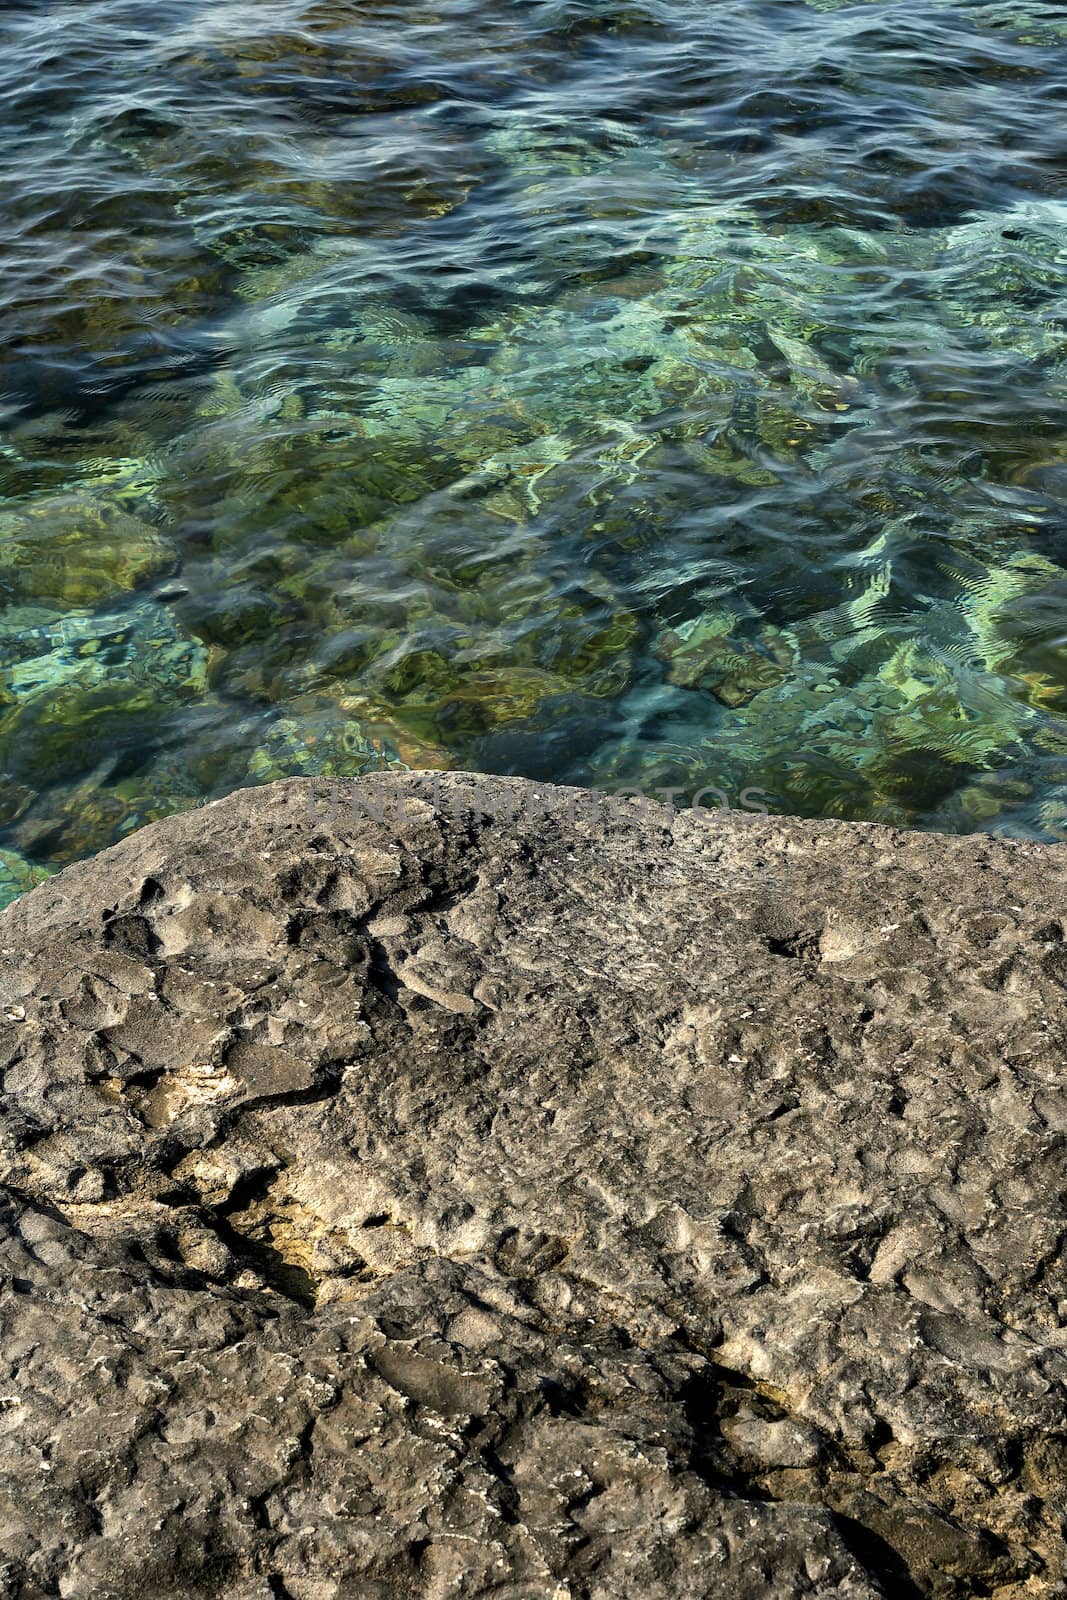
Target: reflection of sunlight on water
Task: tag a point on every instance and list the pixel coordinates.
(619, 396)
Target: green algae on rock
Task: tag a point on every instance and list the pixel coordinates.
(18, 876)
(73, 551)
(83, 696)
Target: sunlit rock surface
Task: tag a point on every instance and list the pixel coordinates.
(448, 1186)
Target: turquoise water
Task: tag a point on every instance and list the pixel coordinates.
(646, 393)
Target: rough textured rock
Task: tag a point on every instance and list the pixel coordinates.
(436, 1204)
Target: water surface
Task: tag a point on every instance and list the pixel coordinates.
(643, 393)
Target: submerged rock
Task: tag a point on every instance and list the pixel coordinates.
(702, 654)
(73, 550)
(436, 1185)
(83, 689)
(17, 875)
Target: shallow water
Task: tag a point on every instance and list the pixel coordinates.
(645, 393)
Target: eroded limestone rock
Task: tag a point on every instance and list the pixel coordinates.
(533, 1205)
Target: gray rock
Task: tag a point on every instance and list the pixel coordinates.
(533, 1206)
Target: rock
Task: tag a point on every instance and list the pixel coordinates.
(80, 694)
(703, 654)
(697, 648)
(742, 683)
(17, 875)
(74, 550)
(511, 1193)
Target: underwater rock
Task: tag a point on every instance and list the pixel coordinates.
(70, 820)
(73, 550)
(18, 876)
(454, 1184)
(692, 650)
(90, 688)
(316, 738)
(703, 655)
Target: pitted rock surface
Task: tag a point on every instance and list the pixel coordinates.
(415, 1202)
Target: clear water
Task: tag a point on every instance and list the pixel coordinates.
(619, 393)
